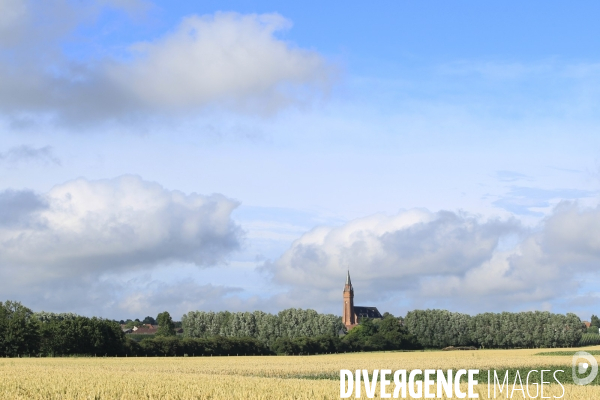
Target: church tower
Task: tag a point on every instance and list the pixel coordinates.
(349, 317)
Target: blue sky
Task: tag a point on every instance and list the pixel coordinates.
(243, 155)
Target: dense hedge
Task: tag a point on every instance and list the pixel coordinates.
(308, 345)
(440, 328)
(141, 336)
(214, 346)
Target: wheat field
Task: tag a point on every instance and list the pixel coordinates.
(260, 377)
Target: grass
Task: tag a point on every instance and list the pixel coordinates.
(567, 353)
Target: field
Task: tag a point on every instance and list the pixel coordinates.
(266, 377)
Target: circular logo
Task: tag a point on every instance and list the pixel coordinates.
(580, 368)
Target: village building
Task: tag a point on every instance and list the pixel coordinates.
(146, 329)
(352, 313)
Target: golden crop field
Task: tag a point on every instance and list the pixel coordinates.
(266, 377)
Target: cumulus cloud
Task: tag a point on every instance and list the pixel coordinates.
(546, 265)
(447, 260)
(226, 60)
(390, 252)
(226, 57)
(85, 228)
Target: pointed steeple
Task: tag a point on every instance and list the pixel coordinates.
(349, 316)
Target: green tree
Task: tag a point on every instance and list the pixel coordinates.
(593, 329)
(267, 328)
(595, 321)
(166, 327)
(395, 334)
(130, 324)
(82, 335)
(364, 337)
(19, 330)
(439, 328)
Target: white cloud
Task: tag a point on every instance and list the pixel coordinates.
(447, 260)
(226, 57)
(415, 259)
(226, 60)
(85, 228)
(383, 251)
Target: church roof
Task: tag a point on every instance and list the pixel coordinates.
(367, 312)
(348, 279)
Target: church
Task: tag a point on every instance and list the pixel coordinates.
(351, 312)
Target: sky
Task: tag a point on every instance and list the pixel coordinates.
(244, 155)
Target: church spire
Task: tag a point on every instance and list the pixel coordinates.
(349, 318)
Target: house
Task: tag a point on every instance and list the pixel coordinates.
(146, 329)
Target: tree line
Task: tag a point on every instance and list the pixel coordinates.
(292, 331)
(533, 329)
(370, 335)
(266, 328)
(25, 333)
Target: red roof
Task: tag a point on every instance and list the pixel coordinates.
(146, 329)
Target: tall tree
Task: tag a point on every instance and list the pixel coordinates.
(166, 327)
(19, 329)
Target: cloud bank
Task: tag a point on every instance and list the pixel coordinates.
(226, 60)
(448, 260)
(86, 228)
(389, 253)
